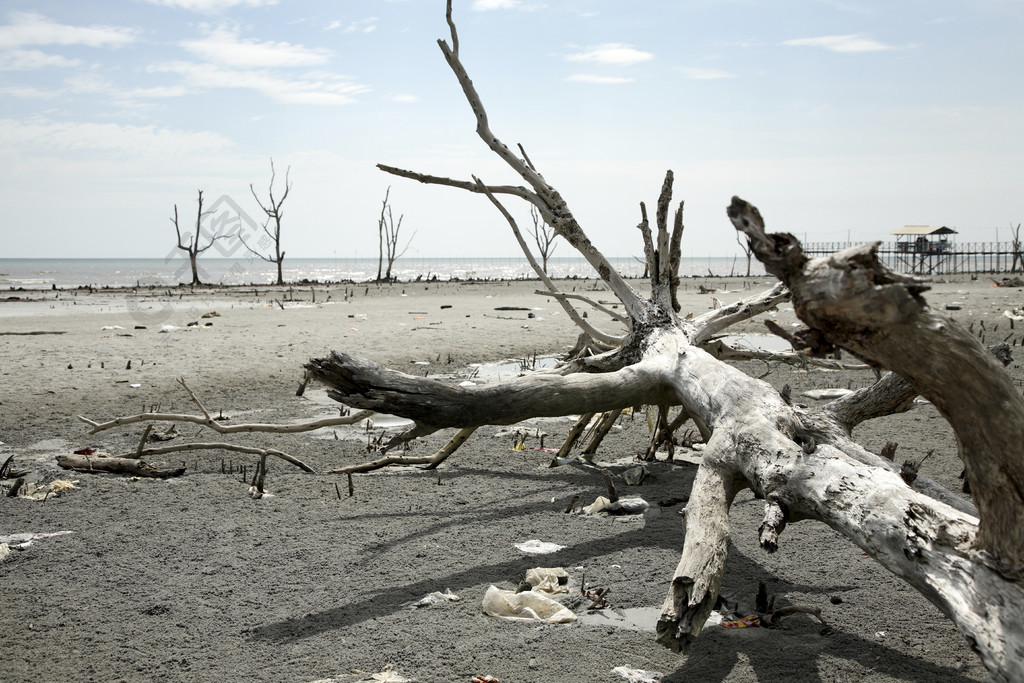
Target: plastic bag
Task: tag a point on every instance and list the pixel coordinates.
(525, 606)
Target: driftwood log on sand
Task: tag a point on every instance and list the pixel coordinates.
(98, 462)
(801, 461)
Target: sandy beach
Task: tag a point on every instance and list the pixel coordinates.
(190, 578)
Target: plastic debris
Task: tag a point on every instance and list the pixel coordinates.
(54, 488)
(745, 622)
(386, 675)
(484, 679)
(435, 598)
(635, 476)
(637, 675)
(525, 606)
(5, 550)
(537, 547)
(623, 506)
(548, 579)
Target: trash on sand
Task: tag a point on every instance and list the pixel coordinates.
(637, 675)
(827, 393)
(623, 506)
(537, 547)
(386, 675)
(525, 606)
(435, 598)
(1017, 314)
(23, 540)
(745, 622)
(635, 476)
(484, 679)
(548, 579)
(54, 488)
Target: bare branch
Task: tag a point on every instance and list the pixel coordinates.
(713, 322)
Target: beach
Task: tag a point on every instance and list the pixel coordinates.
(191, 578)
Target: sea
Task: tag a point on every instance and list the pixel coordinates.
(30, 273)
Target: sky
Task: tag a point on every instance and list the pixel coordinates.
(840, 119)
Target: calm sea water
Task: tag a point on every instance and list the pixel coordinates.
(70, 273)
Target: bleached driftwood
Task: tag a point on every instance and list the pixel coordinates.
(207, 420)
(802, 461)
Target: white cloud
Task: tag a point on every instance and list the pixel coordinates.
(22, 60)
(403, 98)
(618, 54)
(43, 136)
(29, 92)
(313, 88)
(224, 46)
(210, 6)
(29, 28)
(847, 43)
(704, 74)
(486, 5)
(601, 80)
(368, 25)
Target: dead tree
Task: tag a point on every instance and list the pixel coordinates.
(387, 239)
(190, 242)
(802, 461)
(1018, 257)
(544, 236)
(274, 214)
(747, 251)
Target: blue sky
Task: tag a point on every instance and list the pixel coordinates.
(837, 118)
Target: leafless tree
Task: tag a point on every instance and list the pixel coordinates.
(189, 242)
(966, 557)
(1018, 257)
(747, 251)
(803, 462)
(544, 235)
(387, 238)
(274, 214)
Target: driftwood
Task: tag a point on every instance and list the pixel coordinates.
(801, 461)
(114, 465)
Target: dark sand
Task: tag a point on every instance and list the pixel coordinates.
(191, 579)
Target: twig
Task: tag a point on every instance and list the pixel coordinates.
(205, 446)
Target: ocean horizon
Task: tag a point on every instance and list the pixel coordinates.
(71, 273)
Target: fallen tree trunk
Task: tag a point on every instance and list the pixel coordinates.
(114, 465)
(801, 461)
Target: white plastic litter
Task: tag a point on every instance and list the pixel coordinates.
(536, 547)
(5, 550)
(637, 675)
(525, 606)
(623, 506)
(548, 579)
(435, 598)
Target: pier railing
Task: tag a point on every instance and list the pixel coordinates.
(939, 258)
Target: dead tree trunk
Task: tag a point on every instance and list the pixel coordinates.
(274, 214)
(190, 243)
(801, 461)
(387, 238)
